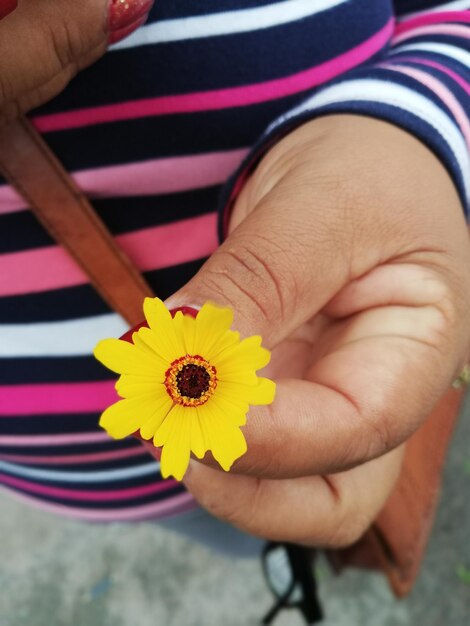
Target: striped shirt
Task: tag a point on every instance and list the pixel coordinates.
(155, 134)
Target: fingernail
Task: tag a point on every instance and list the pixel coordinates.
(185, 310)
(6, 7)
(125, 16)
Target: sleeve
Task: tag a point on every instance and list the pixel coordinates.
(421, 84)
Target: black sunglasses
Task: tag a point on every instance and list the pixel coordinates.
(288, 570)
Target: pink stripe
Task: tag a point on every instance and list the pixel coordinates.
(153, 248)
(450, 29)
(221, 98)
(91, 496)
(433, 18)
(56, 398)
(157, 176)
(442, 68)
(10, 200)
(173, 506)
(74, 459)
(441, 91)
(39, 441)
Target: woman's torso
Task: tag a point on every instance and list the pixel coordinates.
(151, 133)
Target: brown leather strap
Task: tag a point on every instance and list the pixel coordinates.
(30, 166)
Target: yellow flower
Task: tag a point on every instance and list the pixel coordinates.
(187, 382)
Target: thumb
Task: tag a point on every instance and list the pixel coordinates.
(275, 269)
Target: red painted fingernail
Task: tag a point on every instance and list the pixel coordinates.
(185, 310)
(6, 7)
(125, 16)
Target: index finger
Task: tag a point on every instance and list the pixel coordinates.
(359, 401)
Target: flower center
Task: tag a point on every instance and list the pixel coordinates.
(190, 380)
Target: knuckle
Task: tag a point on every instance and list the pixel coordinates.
(64, 45)
(248, 271)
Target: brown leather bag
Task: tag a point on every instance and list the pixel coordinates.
(396, 541)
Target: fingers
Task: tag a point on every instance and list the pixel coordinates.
(7, 7)
(360, 400)
(44, 44)
(321, 511)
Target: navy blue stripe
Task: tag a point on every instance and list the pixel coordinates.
(451, 40)
(170, 135)
(410, 6)
(50, 424)
(83, 301)
(187, 8)
(51, 370)
(239, 60)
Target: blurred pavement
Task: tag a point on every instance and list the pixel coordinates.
(55, 572)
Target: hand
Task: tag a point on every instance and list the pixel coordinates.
(348, 252)
(44, 43)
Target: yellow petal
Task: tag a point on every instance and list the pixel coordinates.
(212, 324)
(138, 340)
(129, 385)
(227, 441)
(123, 357)
(148, 430)
(175, 453)
(199, 445)
(263, 393)
(157, 315)
(163, 433)
(125, 417)
(226, 408)
(242, 378)
(205, 433)
(167, 344)
(189, 332)
(174, 461)
(247, 355)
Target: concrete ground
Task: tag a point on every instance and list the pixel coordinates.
(61, 573)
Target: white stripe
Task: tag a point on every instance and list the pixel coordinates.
(226, 23)
(396, 95)
(453, 52)
(69, 338)
(447, 6)
(82, 477)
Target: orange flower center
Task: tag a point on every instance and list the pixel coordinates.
(190, 380)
